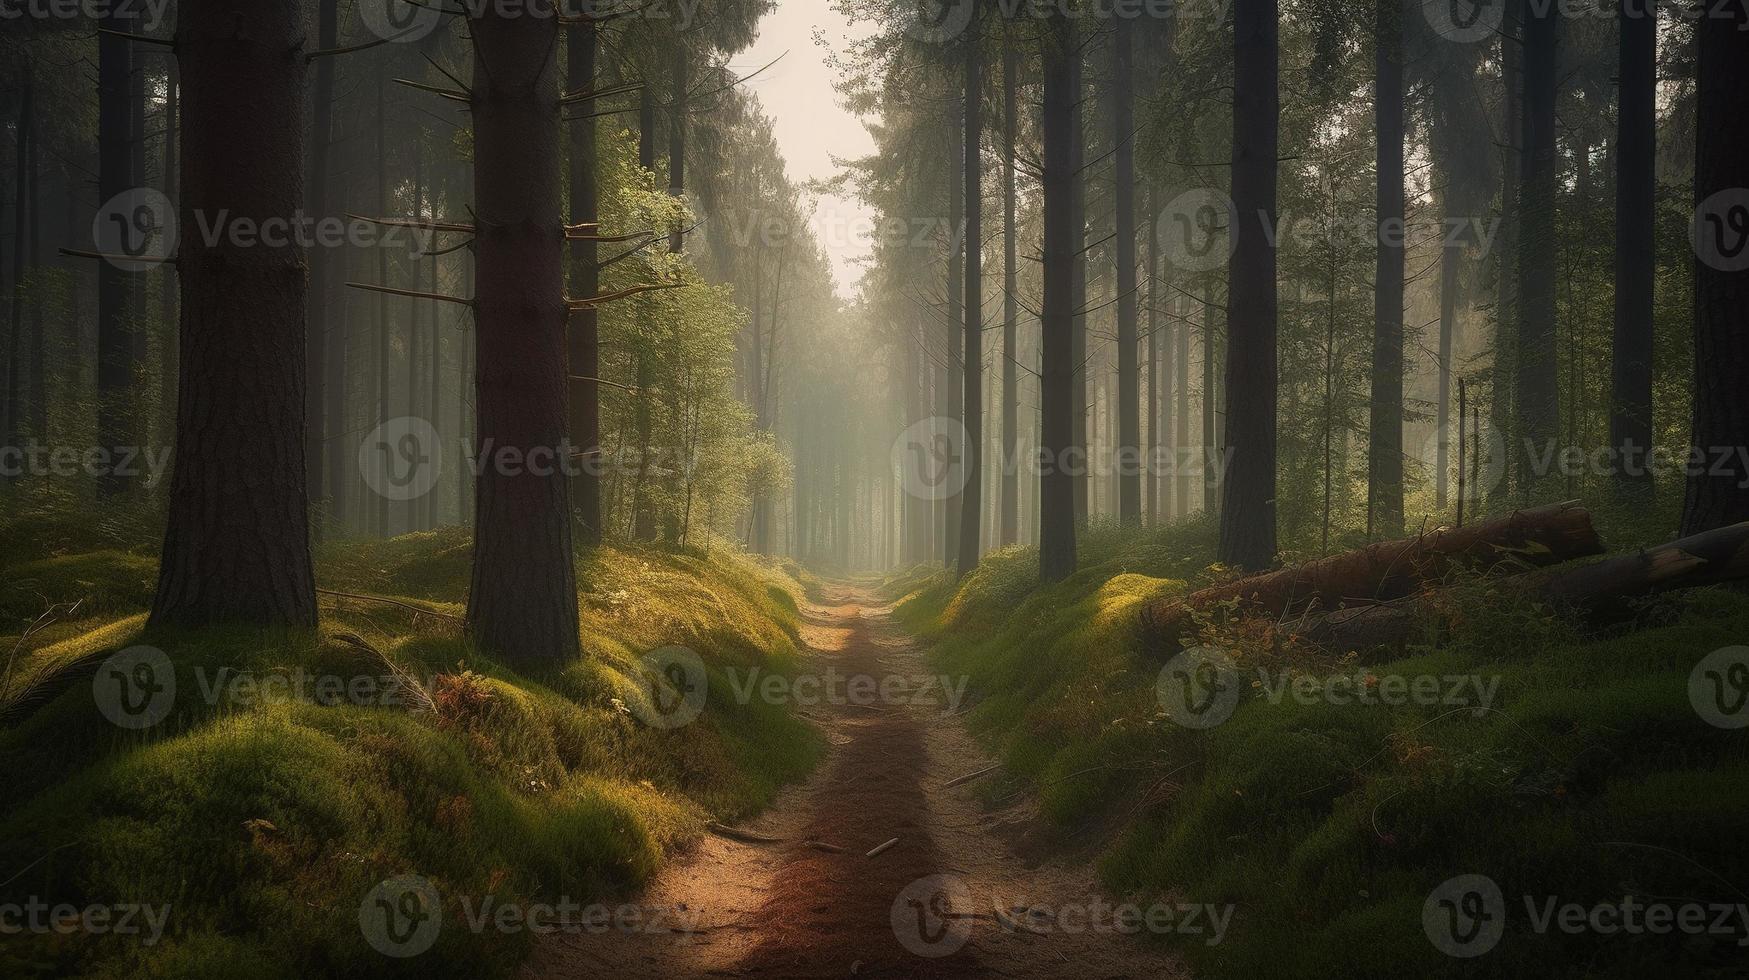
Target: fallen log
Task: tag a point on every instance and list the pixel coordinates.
(1596, 593)
(1389, 570)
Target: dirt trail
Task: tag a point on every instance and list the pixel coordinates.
(950, 899)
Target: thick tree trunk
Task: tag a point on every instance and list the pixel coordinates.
(583, 342)
(1057, 518)
(1129, 423)
(1538, 389)
(1389, 570)
(1248, 492)
(1010, 303)
(237, 544)
(320, 428)
(11, 428)
(971, 497)
(1720, 495)
(1598, 594)
(1385, 442)
(522, 603)
(1636, 269)
(167, 293)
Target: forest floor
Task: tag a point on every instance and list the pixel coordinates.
(963, 892)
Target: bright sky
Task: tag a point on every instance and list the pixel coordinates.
(811, 125)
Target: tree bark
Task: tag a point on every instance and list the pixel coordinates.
(1538, 388)
(117, 334)
(1057, 498)
(522, 603)
(971, 496)
(1636, 188)
(1248, 493)
(11, 428)
(319, 425)
(1385, 442)
(583, 341)
(1129, 424)
(1505, 370)
(1721, 341)
(237, 544)
(1389, 570)
(1010, 302)
(1598, 593)
(167, 295)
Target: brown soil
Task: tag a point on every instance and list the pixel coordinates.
(950, 899)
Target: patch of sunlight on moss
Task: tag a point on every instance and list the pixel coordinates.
(267, 816)
(1327, 825)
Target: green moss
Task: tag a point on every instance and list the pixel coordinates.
(259, 814)
(1589, 776)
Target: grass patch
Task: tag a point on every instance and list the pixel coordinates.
(268, 803)
(1589, 777)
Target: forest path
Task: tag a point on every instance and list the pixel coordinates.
(950, 899)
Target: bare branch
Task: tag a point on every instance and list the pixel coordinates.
(412, 293)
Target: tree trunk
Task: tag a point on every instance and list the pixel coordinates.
(1157, 372)
(1248, 492)
(319, 426)
(522, 603)
(382, 299)
(1181, 430)
(11, 429)
(237, 544)
(1079, 458)
(1636, 268)
(415, 339)
(1057, 517)
(1129, 423)
(1538, 390)
(117, 340)
(1010, 303)
(167, 295)
(1389, 570)
(1505, 370)
(951, 386)
(971, 496)
(1449, 254)
(1385, 442)
(1598, 593)
(677, 141)
(583, 342)
(1721, 283)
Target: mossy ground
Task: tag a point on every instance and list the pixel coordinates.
(1591, 776)
(264, 818)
